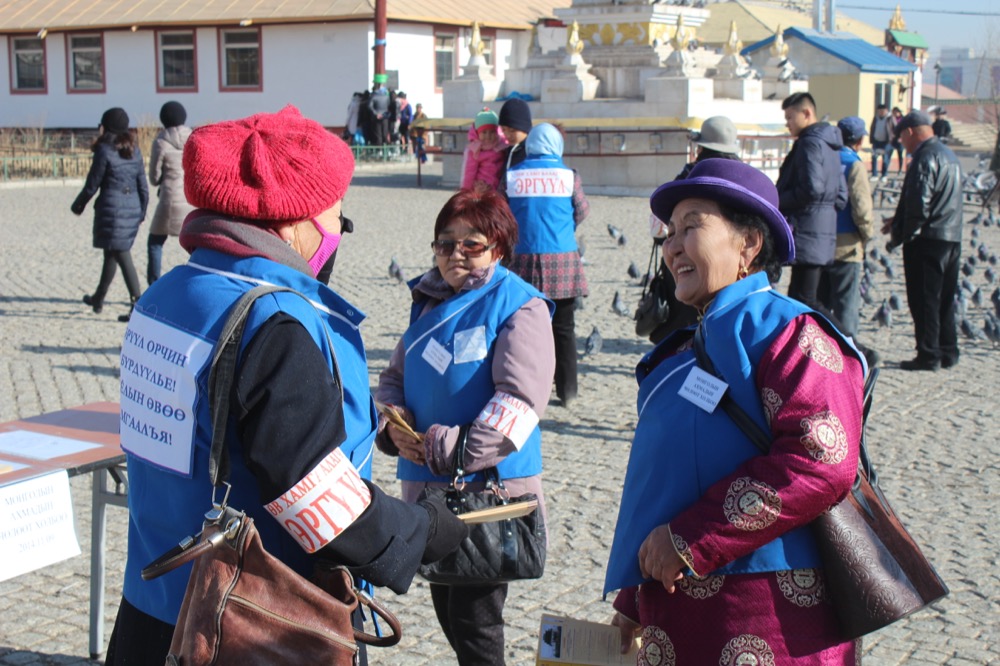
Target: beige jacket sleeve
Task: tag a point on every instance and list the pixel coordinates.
(862, 209)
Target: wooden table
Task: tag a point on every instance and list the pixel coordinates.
(96, 423)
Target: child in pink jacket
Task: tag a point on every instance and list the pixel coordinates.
(485, 153)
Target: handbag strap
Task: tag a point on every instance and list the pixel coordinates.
(223, 371)
(492, 474)
(758, 436)
(649, 268)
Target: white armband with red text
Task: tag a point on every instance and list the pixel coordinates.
(323, 504)
(510, 416)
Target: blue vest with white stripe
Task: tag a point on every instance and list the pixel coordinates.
(165, 506)
(845, 221)
(540, 193)
(696, 447)
(458, 395)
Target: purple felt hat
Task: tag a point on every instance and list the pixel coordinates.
(736, 185)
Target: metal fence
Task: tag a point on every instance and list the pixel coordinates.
(388, 153)
(35, 167)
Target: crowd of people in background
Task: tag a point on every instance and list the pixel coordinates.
(380, 117)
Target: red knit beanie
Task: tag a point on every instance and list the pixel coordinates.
(271, 167)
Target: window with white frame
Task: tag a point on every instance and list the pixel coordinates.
(444, 57)
(241, 58)
(86, 62)
(177, 60)
(27, 64)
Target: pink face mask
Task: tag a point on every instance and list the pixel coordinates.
(326, 247)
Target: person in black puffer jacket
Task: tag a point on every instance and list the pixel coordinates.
(117, 171)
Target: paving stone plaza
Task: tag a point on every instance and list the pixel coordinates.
(934, 436)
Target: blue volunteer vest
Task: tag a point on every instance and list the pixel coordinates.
(457, 396)
(540, 193)
(845, 221)
(165, 506)
(679, 450)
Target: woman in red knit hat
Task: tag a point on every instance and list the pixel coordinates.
(269, 189)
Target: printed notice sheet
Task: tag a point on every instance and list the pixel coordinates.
(39, 446)
(36, 524)
(563, 641)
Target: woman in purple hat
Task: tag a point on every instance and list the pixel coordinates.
(712, 553)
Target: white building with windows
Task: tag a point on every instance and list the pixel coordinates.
(67, 61)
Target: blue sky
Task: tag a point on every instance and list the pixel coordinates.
(939, 21)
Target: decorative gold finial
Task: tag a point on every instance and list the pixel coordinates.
(682, 36)
(897, 22)
(779, 49)
(574, 46)
(733, 44)
(476, 45)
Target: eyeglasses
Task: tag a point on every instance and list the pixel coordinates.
(470, 248)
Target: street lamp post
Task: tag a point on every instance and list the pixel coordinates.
(937, 82)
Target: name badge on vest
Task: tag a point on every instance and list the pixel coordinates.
(437, 356)
(703, 389)
(159, 369)
(470, 345)
(540, 183)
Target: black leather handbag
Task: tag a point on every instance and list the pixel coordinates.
(494, 552)
(875, 572)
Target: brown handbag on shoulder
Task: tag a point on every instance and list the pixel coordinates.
(242, 606)
(875, 572)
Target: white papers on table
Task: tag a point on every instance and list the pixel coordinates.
(39, 446)
(36, 524)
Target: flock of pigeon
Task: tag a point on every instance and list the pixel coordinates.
(981, 262)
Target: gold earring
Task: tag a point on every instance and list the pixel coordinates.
(742, 273)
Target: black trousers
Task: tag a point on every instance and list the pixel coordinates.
(804, 287)
(931, 268)
(472, 619)
(112, 260)
(564, 332)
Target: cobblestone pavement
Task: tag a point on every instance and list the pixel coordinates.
(934, 436)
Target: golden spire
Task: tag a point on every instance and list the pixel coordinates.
(779, 49)
(897, 22)
(476, 45)
(574, 45)
(681, 36)
(733, 44)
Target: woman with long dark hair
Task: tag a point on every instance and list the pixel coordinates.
(117, 171)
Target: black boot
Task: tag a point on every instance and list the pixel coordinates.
(95, 302)
(125, 317)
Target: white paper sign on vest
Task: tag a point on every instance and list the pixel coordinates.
(540, 183)
(159, 369)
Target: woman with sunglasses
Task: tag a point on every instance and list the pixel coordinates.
(479, 344)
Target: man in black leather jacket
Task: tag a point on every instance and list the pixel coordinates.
(928, 224)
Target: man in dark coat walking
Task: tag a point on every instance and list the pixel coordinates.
(928, 224)
(811, 188)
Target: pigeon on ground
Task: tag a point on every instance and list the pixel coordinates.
(991, 327)
(396, 271)
(975, 232)
(990, 274)
(967, 269)
(579, 303)
(594, 343)
(961, 305)
(890, 270)
(614, 232)
(895, 302)
(966, 285)
(977, 219)
(618, 306)
(633, 271)
(995, 300)
(970, 331)
(883, 315)
(621, 240)
(978, 299)
(983, 252)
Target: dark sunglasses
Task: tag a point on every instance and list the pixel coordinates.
(470, 248)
